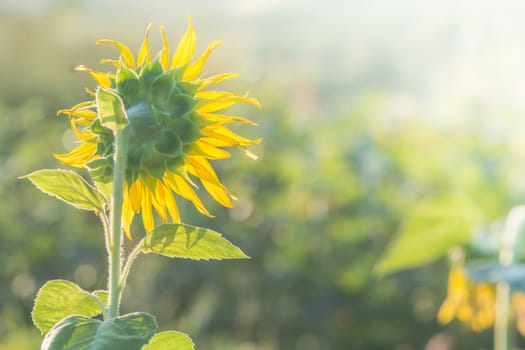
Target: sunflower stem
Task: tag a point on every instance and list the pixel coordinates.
(509, 242)
(107, 234)
(127, 266)
(115, 259)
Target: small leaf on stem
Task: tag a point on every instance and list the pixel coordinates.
(128, 332)
(69, 187)
(111, 110)
(170, 340)
(190, 242)
(58, 299)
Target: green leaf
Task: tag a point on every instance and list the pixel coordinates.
(430, 231)
(72, 333)
(129, 332)
(495, 272)
(111, 111)
(191, 242)
(58, 299)
(170, 340)
(103, 295)
(69, 187)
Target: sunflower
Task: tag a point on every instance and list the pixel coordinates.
(175, 128)
(472, 303)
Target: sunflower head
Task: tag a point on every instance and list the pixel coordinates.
(163, 125)
(174, 127)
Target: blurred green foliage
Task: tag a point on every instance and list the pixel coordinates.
(316, 213)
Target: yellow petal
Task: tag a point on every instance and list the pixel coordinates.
(89, 92)
(171, 205)
(194, 69)
(83, 122)
(144, 55)
(116, 63)
(135, 192)
(225, 119)
(158, 201)
(101, 78)
(81, 105)
(82, 113)
(518, 303)
(204, 83)
(186, 48)
(228, 137)
(215, 94)
(127, 56)
(446, 312)
(79, 156)
(465, 312)
(222, 103)
(165, 53)
(147, 214)
(84, 136)
(127, 217)
(84, 104)
(203, 148)
(182, 188)
(199, 167)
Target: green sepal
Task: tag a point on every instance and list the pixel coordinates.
(189, 88)
(148, 180)
(161, 89)
(170, 340)
(133, 163)
(76, 332)
(199, 120)
(105, 144)
(144, 126)
(153, 162)
(58, 299)
(186, 129)
(101, 170)
(169, 144)
(190, 242)
(69, 187)
(177, 166)
(179, 104)
(127, 82)
(105, 138)
(111, 111)
(178, 73)
(149, 73)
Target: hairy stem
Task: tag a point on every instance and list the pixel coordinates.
(107, 234)
(115, 259)
(127, 267)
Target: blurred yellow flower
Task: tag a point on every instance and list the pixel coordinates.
(470, 302)
(518, 305)
(174, 129)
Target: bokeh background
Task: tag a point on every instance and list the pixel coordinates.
(370, 107)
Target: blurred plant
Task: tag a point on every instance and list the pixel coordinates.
(149, 132)
(472, 303)
(482, 294)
